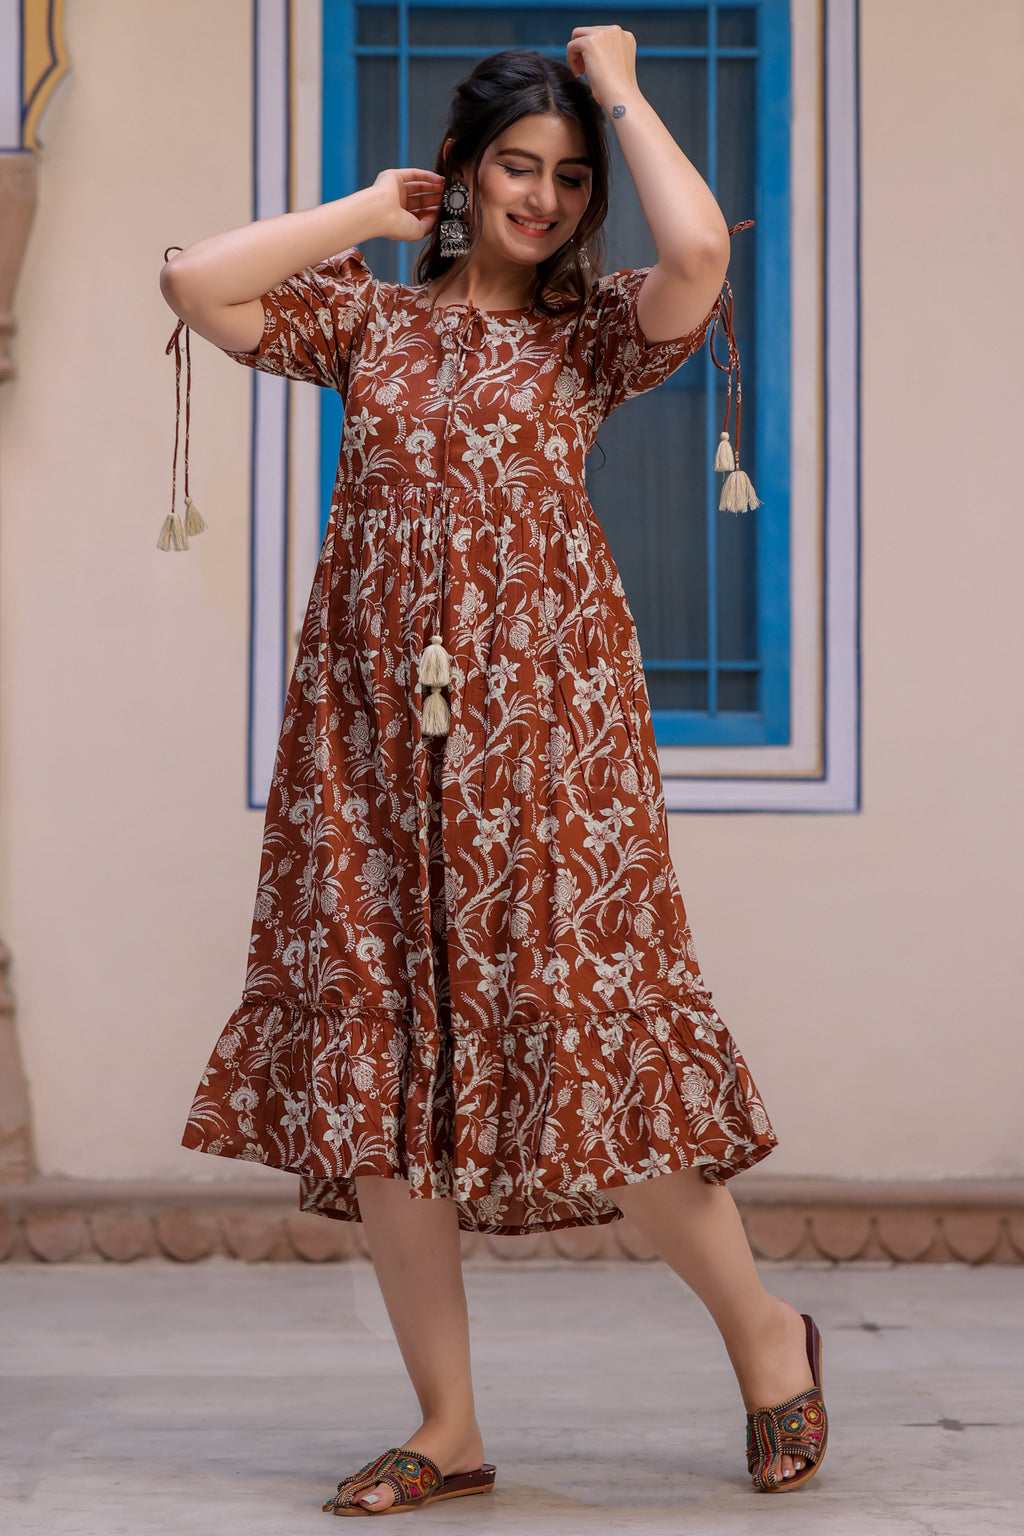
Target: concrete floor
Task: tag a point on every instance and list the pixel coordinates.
(227, 1400)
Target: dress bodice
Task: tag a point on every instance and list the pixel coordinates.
(460, 395)
(467, 397)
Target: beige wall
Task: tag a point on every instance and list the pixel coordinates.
(867, 964)
(129, 861)
(870, 965)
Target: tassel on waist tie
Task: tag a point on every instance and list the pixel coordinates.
(435, 674)
(435, 669)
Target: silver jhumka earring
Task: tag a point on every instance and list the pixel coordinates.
(454, 230)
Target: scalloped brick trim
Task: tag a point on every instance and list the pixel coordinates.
(831, 1221)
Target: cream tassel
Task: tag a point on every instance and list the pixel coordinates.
(724, 460)
(194, 522)
(172, 534)
(738, 495)
(435, 674)
(436, 714)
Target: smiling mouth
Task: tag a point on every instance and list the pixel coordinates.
(533, 229)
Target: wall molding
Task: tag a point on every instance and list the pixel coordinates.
(817, 1221)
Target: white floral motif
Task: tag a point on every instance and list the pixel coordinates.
(615, 972)
(696, 1087)
(488, 443)
(501, 674)
(591, 689)
(296, 1112)
(494, 975)
(357, 428)
(556, 971)
(421, 441)
(497, 828)
(520, 922)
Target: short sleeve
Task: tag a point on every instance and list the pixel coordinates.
(312, 320)
(612, 351)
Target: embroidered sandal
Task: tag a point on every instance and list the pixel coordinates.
(798, 1427)
(414, 1478)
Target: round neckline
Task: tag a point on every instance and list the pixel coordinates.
(474, 309)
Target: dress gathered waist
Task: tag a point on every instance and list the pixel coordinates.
(372, 493)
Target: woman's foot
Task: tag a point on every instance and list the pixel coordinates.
(455, 1448)
(777, 1369)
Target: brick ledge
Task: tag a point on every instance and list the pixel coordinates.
(969, 1221)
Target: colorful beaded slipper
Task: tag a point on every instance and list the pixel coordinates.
(416, 1480)
(798, 1427)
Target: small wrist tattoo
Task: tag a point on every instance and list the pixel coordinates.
(618, 111)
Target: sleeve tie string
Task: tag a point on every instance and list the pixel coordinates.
(176, 532)
(738, 494)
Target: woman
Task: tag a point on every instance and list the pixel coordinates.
(473, 999)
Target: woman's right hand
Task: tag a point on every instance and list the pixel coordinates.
(411, 201)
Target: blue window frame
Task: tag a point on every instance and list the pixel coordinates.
(710, 592)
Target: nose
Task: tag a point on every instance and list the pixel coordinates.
(544, 200)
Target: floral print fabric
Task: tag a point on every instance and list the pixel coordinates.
(470, 963)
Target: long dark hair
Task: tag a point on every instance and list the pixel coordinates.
(504, 87)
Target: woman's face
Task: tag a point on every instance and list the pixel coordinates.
(536, 172)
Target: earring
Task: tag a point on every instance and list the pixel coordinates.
(454, 230)
(581, 252)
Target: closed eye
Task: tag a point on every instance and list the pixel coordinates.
(516, 170)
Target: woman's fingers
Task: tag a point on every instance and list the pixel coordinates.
(419, 192)
(413, 194)
(415, 174)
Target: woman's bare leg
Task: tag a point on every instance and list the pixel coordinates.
(696, 1228)
(417, 1258)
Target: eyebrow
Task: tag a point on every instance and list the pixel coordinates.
(529, 155)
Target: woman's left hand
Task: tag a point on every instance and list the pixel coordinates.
(608, 57)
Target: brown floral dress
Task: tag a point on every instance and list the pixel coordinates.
(470, 963)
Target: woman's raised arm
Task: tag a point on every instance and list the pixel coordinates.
(689, 229)
(215, 284)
